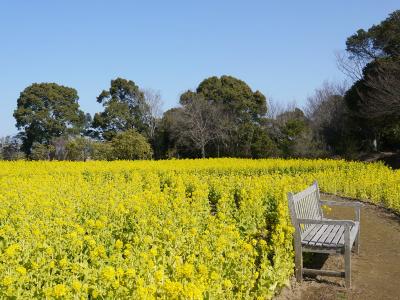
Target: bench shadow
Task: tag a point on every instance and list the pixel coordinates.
(314, 261)
(317, 261)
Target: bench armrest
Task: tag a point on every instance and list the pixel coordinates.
(341, 203)
(326, 222)
(357, 206)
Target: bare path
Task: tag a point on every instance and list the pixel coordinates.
(375, 272)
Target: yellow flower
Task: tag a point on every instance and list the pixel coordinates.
(127, 253)
(95, 293)
(91, 223)
(191, 291)
(186, 270)
(52, 264)
(115, 284)
(76, 285)
(263, 243)
(48, 291)
(75, 268)
(130, 272)
(103, 218)
(158, 275)
(153, 251)
(109, 273)
(214, 275)
(21, 270)
(91, 242)
(147, 239)
(49, 251)
(34, 265)
(12, 250)
(60, 290)
(173, 289)
(203, 270)
(119, 244)
(120, 272)
(63, 263)
(227, 284)
(7, 280)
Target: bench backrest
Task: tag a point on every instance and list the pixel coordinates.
(305, 205)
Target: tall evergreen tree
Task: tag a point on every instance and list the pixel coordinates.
(45, 111)
(125, 108)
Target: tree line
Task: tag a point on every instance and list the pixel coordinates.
(223, 116)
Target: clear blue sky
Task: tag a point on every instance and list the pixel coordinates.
(285, 49)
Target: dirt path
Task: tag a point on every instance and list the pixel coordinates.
(375, 272)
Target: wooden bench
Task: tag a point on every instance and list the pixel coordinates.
(314, 233)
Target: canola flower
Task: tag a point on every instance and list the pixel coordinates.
(178, 229)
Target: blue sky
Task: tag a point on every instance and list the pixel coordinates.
(285, 49)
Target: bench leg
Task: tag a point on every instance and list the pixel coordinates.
(357, 244)
(357, 241)
(347, 264)
(299, 263)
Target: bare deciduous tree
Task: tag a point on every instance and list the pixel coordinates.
(10, 148)
(327, 113)
(199, 123)
(321, 99)
(276, 108)
(155, 104)
(352, 67)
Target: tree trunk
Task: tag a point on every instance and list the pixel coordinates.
(203, 152)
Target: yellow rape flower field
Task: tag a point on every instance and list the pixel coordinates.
(177, 229)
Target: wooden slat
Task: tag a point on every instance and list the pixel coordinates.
(341, 203)
(318, 234)
(324, 236)
(333, 233)
(304, 193)
(307, 202)
(314, 206)
(309, 230)
(312, 232)
(305, 209)
(338, 235)
(328, 250)
(323, 272)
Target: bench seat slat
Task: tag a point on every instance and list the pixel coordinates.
(318, 235)
(311, 231)
(331, 236)
(324, 236)
(337, 236)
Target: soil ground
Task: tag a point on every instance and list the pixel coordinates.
(375, 271)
